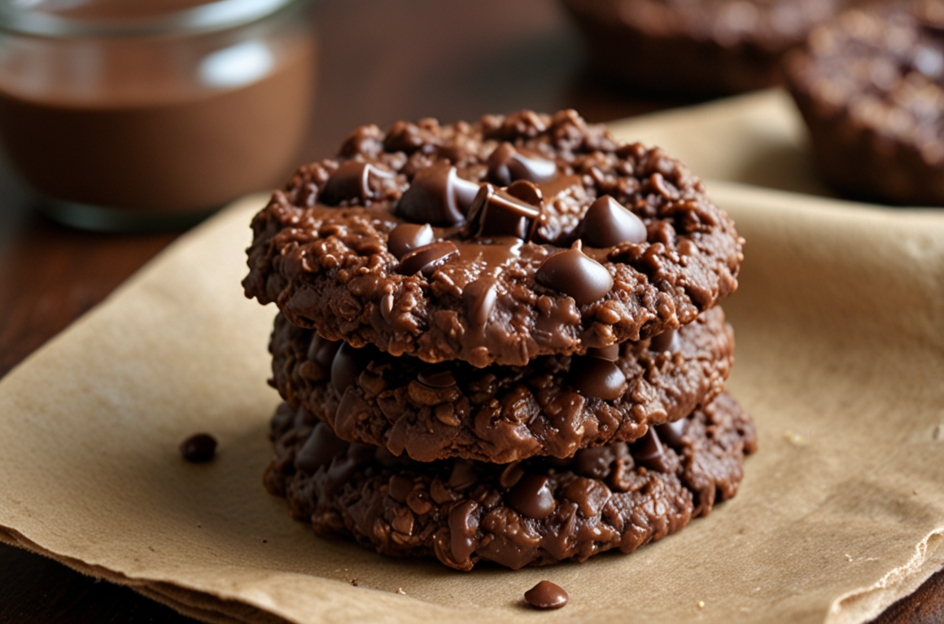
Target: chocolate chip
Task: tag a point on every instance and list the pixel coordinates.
(463, 474)
(507, 164)
(463, 524)
(198, 448)
(479, 298)
(511, 475)
(409, 236)
(347, 366)
(527, 192)
(546, 595)
(597, 378)
(594, 462)
(399, 487)
(426, 257)
(574, 273)
(437, 195)
(352, 180)
(610, 353)
(321, 352)
(671, 433)
(436, 378)
(319, 449)
(648, 451)
(496, 213)
(666, 341)
(532, 497)
(608, 223)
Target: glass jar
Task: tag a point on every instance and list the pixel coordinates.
(130, 114)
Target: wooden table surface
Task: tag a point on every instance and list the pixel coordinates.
(381, 60)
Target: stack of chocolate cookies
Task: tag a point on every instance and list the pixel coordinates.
(499, 341)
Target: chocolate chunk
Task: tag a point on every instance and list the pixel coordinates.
(462, 476)
(574, 273)
(433, 378)
(322, 352)
(597, 378)
(546, 595)
(463, 524)
(437, 195)
(319, 449)
(507, 164)
(648, 451)
(608, 223)
(198, 448)
(479, 297)
(399, 487)
(671, 433)
(666, 341)
(409, 236)
(352, 180)
(610, 353)
(532, 497)
(347, 366)
(527, 192)
(511, 475)
(426, 257)
(594, 462)
(495, 212)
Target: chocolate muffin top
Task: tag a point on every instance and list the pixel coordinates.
(495, 242)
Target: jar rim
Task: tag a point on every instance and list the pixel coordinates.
(213, 16)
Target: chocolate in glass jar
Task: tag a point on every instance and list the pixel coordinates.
(125, 115)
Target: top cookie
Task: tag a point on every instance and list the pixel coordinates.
(493, 242)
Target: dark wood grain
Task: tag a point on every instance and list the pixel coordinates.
(382, 60)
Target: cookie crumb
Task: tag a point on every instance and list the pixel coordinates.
(794, 438)
(701, 604)
(354, 582)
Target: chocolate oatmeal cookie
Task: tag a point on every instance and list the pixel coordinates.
(709, 47)
(493, 243)
(870, 86)
(554, 406)
(535, 512)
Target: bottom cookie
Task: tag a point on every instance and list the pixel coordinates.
(535, 512)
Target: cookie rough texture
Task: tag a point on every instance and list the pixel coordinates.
(870, 86)
(710, 47)
(466, 289)
(553, 406)
(531, 513)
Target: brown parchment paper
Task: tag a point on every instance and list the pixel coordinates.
(840, 329)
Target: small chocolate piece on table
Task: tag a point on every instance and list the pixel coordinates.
(198, 448)
(546, 595)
